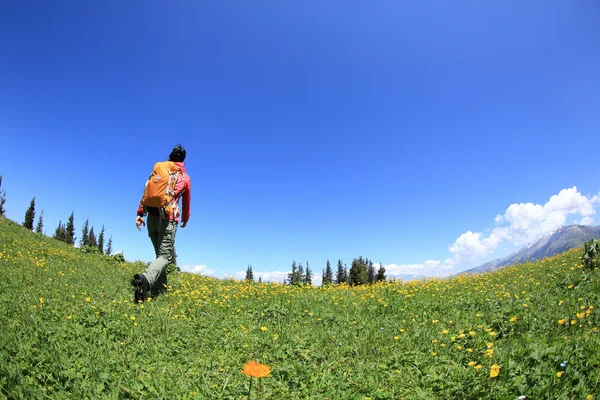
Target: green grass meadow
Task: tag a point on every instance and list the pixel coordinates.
(69, 329)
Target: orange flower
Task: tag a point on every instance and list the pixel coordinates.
(256, 370)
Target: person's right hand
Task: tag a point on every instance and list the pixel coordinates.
(139, 221)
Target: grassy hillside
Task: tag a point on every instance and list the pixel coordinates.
(69, 329)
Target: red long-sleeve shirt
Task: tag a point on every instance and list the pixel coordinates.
(183, 190)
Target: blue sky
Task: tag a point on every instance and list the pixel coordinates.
(430, 136)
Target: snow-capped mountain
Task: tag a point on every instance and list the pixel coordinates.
(550, 244)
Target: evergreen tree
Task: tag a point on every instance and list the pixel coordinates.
(358, 272)
(381, 273)
(70, 230)
(101, 241)
(92, 238)
(346, 275)
(328, 274)
(30, 215)
(300, 277)
(308, 275)
(370, 272)
(109, 247)
(57, 231)
(339, 276)
(292, 275)
(260, 279)
(2, 199)
(40, 224)
(60, 233)
(249, 274)
(85, 233)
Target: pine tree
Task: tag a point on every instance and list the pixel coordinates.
(85, 234)
(249, 274)
(2, 199)
(346, 275)
(60, 233)
(370, 272)
(381, 273)
(292, 275)
(109, 247)
(328, 274)
(92, 238)
(30, 215)
(101, 241)
(70, 230)
(308, 275)
(40, 224)
(339, 276)
(260, 279)
(300, 277)
(358, 272)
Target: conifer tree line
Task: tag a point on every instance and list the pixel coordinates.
(249, 274)
(299, 275)
(63, 232)
(361, 272)
(88, 241)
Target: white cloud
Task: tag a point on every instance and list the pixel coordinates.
(198, 269)
(428, 268)
(586, 221)
(522, 223)
(470, 246)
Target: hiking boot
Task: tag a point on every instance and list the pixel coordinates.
(142, 288)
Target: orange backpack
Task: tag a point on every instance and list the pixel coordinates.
(160, 188)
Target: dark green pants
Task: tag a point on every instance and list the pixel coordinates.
(162, 234)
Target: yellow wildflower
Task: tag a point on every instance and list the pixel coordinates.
(494, 371)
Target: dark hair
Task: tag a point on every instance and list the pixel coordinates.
(178, 154)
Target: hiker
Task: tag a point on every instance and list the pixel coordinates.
(168, 183)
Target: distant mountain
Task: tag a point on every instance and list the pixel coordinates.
(548, 245)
